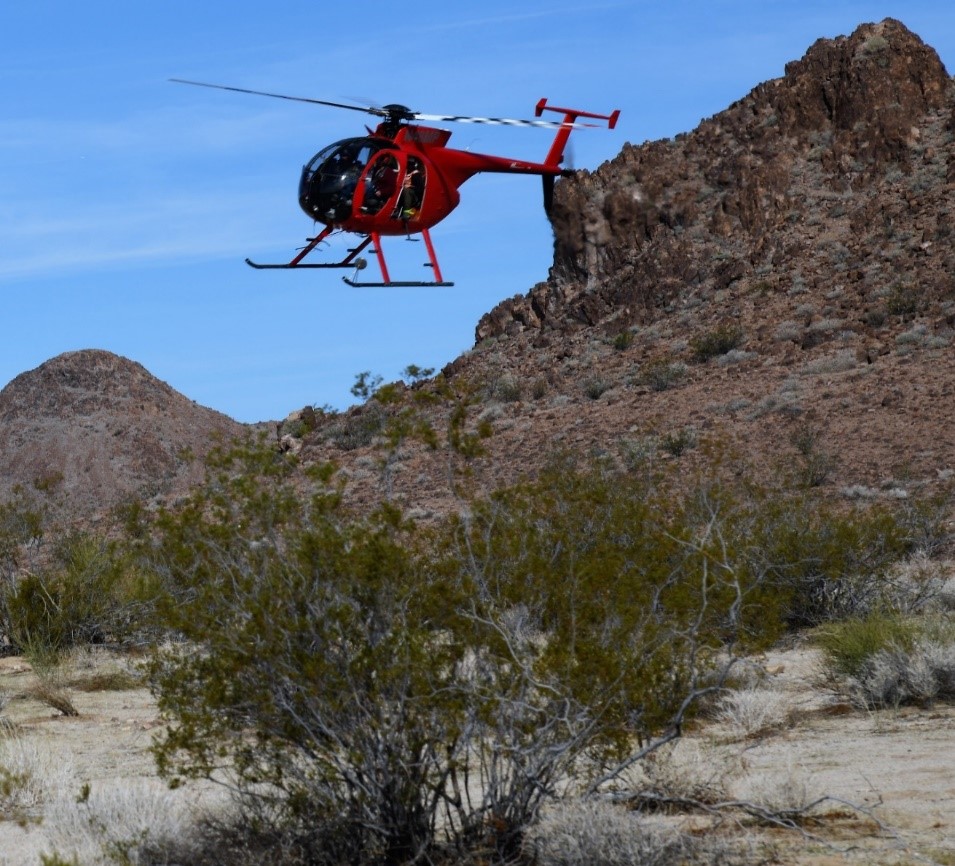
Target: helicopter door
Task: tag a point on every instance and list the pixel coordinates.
(380, 183)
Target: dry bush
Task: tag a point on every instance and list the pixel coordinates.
(788, 792)
(51, 685)
(7, 726)
(599, 833)
(896, 676)
(685, 770)
(55, 696)
(128, 822)
(946, 594)
(920, 583)
(752, 711)
(93, 669)
(28, 777)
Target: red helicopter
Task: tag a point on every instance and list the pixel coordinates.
(402, 179)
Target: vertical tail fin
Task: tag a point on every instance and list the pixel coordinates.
(556, 153)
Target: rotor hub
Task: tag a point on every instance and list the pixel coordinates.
(398, 112)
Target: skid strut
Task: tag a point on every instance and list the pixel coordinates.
(353, 261)
(385, 276)
(350, 261)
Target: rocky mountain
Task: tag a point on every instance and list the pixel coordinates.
(90, 429)
(780, 279)
(836, 175)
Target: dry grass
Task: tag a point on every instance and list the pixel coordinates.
(55, 695)
(120, 823)
(754, 711)
(787, 790)
(590, 832)
(29, 777)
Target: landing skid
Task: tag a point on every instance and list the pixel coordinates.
(393, 284)
(352, 260)
(289, 266)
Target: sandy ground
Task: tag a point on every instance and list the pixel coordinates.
(898, 765)
(106, 747)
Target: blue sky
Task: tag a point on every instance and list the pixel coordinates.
(128, 204)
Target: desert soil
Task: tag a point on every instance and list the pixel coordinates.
(895, 764)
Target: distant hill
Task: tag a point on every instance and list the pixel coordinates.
(90, 429)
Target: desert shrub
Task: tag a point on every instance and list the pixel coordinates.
(816, 464)
(678, 441)
(753, 711)
(28, 777)
(125, 822)
(319, 640)
(357, 427)
(50, 687)
(825, 562)
(596, 386)
(903, 301)
(21, 532)
(506, 389)
(88, 593)
(786, 792)
(716, 342)
(661, 374)
(683, 772)
(618, 571)
(896, 676)
(847, 646)
(597, 833)
(623, 341)
(888, 660)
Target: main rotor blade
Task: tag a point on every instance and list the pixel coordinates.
(396, 112)
(502, 121)
(375, 111)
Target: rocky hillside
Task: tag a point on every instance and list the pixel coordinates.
(89, 429)
(781, 279)
(834, 178)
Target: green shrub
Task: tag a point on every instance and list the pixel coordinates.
(322, 673)
(679, 441)
(623, 341)
(825, 562)
(717, 342)
(849, 645)
(358, 674)
(903, 301)
(87, 594)
(595, 387)
(661, 374)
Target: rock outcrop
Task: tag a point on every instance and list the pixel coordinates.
(839, 171)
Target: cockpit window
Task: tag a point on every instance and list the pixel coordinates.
(327, 187)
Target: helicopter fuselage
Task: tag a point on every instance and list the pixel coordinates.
(396, 181)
